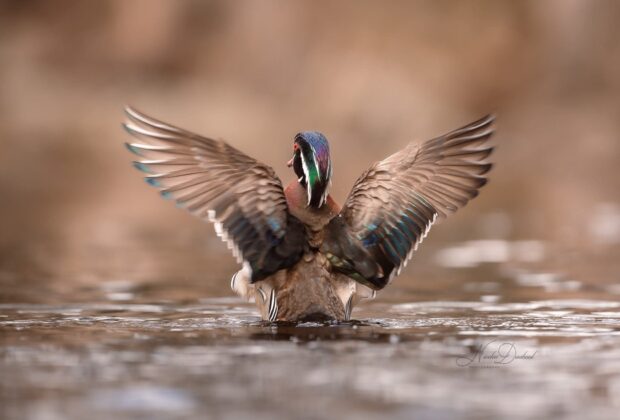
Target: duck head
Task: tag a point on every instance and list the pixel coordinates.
(312, 165)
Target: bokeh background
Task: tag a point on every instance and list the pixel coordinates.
(370, 75)
(116, 304)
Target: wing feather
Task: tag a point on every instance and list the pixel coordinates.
(395, 202)
(242, 197)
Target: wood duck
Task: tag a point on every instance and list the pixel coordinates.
(304, 257)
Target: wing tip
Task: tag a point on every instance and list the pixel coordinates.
(132, 112)
(486, 167)
(128, 128)
(133, 149)
(154, 182)
(490, 117)
(141, 118)
(485, 122)
(142, 167)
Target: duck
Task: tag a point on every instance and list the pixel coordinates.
(302, 256)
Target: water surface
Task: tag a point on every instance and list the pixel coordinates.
(491, 335)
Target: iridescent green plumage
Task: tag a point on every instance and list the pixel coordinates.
(312, 164)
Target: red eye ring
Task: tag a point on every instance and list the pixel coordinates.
(295, 147)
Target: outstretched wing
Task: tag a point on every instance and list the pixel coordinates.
(214, 181)
(394, 203)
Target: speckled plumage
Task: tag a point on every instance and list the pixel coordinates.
(302, 256)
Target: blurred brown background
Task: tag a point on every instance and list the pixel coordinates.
(370, 75)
